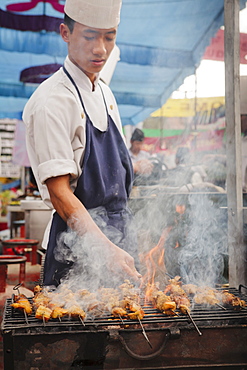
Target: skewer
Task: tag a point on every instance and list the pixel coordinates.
(144, 333)
(43, 318)
(25, 314)
(83, 323)
(219, 305)
(170, 276)
(16, 287)
(121, 319)
(193, 322)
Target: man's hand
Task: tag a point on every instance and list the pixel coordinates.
(143, 167)
(73, 212)
(122, 263)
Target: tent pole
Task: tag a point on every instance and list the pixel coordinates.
(237, 249)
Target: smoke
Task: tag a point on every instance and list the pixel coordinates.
(195, 247)
(91, 267)
(202, 258)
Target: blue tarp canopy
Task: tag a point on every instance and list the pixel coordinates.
(161, 42)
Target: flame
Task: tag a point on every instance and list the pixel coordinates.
(180, 208)
(154, 262)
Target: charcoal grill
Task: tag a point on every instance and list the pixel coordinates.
(106, 342)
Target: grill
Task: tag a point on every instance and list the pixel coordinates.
(106, 342)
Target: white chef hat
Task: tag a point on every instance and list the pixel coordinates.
(103, 14)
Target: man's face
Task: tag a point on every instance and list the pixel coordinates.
(136, 146)
(89, 48)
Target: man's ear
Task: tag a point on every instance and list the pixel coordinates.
(64, 32)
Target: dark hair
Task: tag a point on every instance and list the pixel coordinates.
(69, 22)
(138, 135)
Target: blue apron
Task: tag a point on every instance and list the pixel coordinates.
(103, 188)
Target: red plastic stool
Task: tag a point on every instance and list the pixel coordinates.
(28, 247)
(6, 260)
(19, 228)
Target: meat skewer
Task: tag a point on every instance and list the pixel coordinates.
(43, 313)
(138, 314)
(76, 311)
(160, 300)
(21, 302)
(211, 296)
(178, 294)
(231, 299)
(193, 322)
(144, 333)
(129, 302)
(219, 305)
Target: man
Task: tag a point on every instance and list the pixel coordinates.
(140, 158)
(75, 142)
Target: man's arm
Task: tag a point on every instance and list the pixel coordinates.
(143, 166)
(73, 212)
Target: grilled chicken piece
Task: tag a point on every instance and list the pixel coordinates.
(164, 303)
(181, 300)
(173, 283)
(128, 291)
(76, 311)
(206, 296)
(118, 311)
(174, 289)
(184, 309)
(43, 313)
(37, 289)
(133, 306)
(139, 314)
(178, 294)
(161, 301)
(190, 289)
(21, 302)
(41, 299)
(58, 312)
(137, 311)
(231, 299)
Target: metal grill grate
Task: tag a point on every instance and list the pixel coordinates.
(202, 315)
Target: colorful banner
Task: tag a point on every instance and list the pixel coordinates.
(215, 51)
(197, 141)
(34, 15)
(189, 107)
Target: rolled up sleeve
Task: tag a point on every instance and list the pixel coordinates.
(56, 140)
(57, 167)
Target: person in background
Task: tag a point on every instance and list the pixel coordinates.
(188, 177)
(76, 146)
(140, 158)
(184, 174)
(215, 168)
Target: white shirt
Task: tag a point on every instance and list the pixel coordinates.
(138, 157)
(55, 124)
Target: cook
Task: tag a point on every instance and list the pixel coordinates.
(75, 142)
(140, 158)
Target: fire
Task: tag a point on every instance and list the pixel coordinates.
(180, 208)
(154, 262)
(154, 259)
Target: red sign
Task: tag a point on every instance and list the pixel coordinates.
(215, 51)
(24, 6)
(203, 141)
